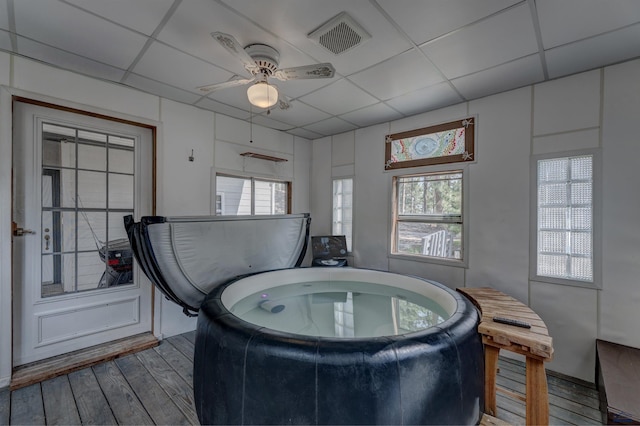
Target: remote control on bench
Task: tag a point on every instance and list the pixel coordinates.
(510, 321)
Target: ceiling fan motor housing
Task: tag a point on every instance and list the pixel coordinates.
(266, 57)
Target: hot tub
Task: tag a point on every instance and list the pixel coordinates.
(337, 346)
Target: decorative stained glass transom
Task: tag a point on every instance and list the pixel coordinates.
(445, 143)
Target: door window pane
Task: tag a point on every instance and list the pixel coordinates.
(120, 191)
(84, 244)
(121, 160)
(92, 230)
(116, 225)
(90, 270)
(92, 190)
(58, 146)
(92, 157)
(67, 188)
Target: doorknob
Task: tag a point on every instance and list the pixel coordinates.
(19, 232)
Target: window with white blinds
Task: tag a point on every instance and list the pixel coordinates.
(565, 218)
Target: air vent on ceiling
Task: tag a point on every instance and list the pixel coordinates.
(339, 34)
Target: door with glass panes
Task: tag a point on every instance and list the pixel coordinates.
(75, 282)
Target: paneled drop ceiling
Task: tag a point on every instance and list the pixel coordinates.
(422, 54)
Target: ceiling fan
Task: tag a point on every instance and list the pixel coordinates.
(261, 61)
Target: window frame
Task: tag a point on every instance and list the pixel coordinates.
(253, 179)
(596, 219)
(433, 170)
(469, 124)
(333, 179)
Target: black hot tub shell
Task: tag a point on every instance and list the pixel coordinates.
(247, 374)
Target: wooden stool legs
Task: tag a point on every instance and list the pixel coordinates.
(490, 374)
(537, 393)
(537, 397)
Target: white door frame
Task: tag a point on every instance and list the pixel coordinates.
(6, 155)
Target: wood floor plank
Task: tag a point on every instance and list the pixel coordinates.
(130, 391)
(183, 345)
(5, 401)
(180, 363)
(91, 402)
(579, 389)
(154, 399)
(180, 392)
(559, 393)
(190, 336)
(125, 405)
(556, 403)
(514, 412)
(27, 407)
(59, 403)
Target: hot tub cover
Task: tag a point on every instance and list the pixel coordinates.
(186, 257)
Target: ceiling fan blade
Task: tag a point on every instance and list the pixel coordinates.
(234, 47)
(232, 82)
(324, 70)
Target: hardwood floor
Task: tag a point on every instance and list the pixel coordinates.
(155, 387)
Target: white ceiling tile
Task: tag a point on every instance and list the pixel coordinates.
(5, 41)
(501, 38)
(426, 20)
(303, 133)
(234, 96)
(293, 20)
(339, 97)
(4, 18)
(5, 67)
(140, 15)
(330, 126)
(171, 66)
(613, 47)
(160, 89)
(299, 114)
(262, 120)
(398, 75)
(67, 60)
(84, 34)
(436, 96)
(297, 88)
(378, 113)
(190, 28)
(205, 16)
(223, 109)
(511, 75)
(486, 46)
(570, 20)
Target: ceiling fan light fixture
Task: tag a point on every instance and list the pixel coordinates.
(262, 94)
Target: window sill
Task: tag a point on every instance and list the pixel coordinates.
(454, 263)
(566, 282)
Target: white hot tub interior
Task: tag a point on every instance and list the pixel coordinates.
(339, 302)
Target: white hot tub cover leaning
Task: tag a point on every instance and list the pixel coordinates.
(186, 257)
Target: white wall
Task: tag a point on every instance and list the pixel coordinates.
(183, 187)
(596, 109)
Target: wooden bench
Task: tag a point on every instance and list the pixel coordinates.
(534, 343)
(618, 383)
